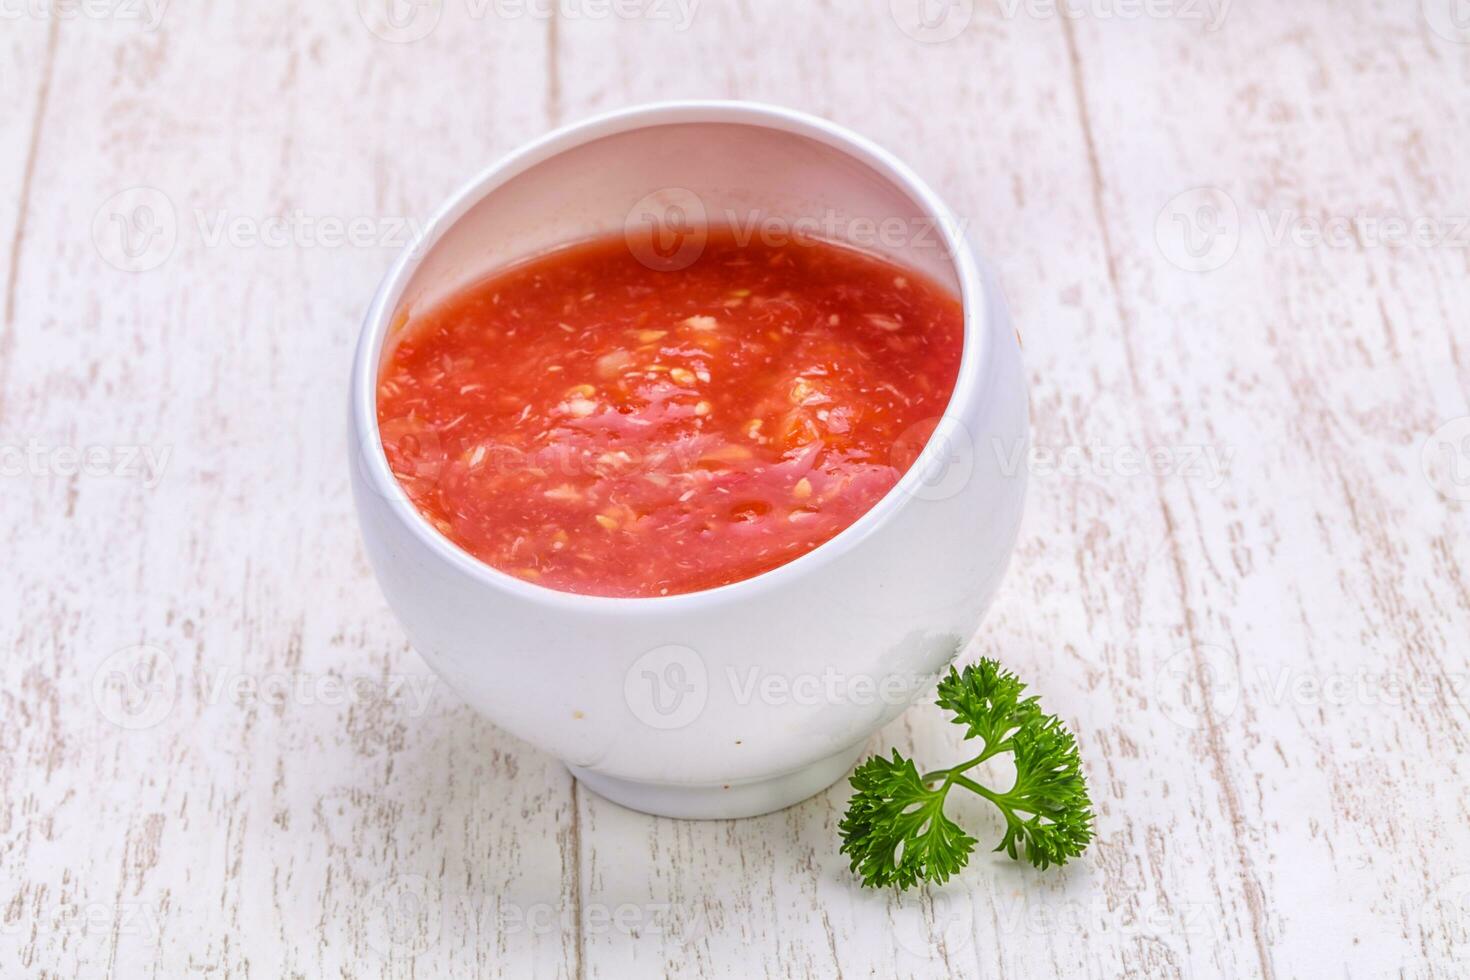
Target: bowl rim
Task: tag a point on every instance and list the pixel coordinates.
(372, 461)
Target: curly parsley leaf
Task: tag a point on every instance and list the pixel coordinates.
(895, 830)
(895, 827)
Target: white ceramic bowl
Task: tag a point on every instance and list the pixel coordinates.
(749, 697)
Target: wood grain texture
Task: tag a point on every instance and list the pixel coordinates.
(1261, 640)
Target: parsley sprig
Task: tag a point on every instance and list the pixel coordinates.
(896, 831)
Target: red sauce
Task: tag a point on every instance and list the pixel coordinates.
(596, 426)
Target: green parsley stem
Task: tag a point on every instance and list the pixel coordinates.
(945, 774)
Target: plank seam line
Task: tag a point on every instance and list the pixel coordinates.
(23, 207)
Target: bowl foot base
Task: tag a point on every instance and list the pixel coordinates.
(722, 802)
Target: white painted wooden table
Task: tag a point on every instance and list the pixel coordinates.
(1244, 575)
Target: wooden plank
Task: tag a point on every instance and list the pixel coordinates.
(307, 801)
(1304, 582)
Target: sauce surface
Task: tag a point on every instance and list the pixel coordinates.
(593, 425)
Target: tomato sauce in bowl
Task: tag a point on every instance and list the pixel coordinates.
(593, 425)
